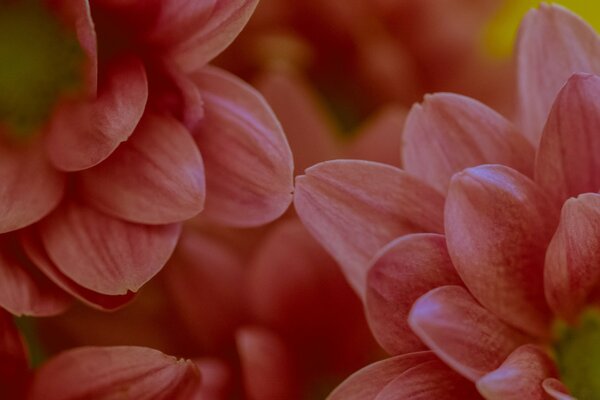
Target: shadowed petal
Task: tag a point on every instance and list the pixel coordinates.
(267, 366)
(498, 224)
(227, 19)
(105, 254)
(30, 187)
(366, 383)
(109, 372)
(82, 134)
(520, 376)
(429, 380)
(553, 44)
(556, 389)
(403, 271)
(14, 364)
(354, 208)
(156, 177)
(567, 162)
(448, 133)
(465, 335)
(571, 273)
(216, 379)
(247, 159)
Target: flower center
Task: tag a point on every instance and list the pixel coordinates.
(578, 355)
(39, 62)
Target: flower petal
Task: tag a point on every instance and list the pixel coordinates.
(520, 376)
(469, 338)
(556, 389)
(227, 19)
(354, 208)
(567, 162)
(23, 290)
(156, 177)
(248, 161)
(82, 134)
(553, 43)
(30, 188)
(498, 224)
(14, 364)
(109, 372)
(217, 380)
(366, 383)
(105, 254)
(429, 380)
(448, 133)
(403, 271)
(267, 366)
(571, 273)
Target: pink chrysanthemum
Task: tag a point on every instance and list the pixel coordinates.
(128, 131)
(478, 263)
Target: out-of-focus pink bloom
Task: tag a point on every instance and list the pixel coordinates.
(470, 261)
(94, 197)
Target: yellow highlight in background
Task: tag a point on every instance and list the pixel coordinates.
(500, 34)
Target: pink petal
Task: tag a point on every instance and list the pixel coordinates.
(520, 376)
(403, 271)
(566, 163)
(354, 208)
(14, 364)
(379, 138)
(469, 338)
(267, 367)
(553, 44)
(111, 372)
(307, 124)
(104, 254)
(204, 280)
(571, 273)
(369, 381)
(156, 177)
(556, 389)
(23, 290)
(448, 133)
(82, 134)
(34, 249)
(179, 19)
(247, 158)
(227, 19)
(498, 224)
(30, 188)
(427, 381)
(216, 379)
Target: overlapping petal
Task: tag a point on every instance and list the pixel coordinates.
(14, 364)
(403, 271)
(448, 133)
(354, 208)
(498, 224)
(246, 156)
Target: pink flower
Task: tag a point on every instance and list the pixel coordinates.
(94, 193)
(467, 258)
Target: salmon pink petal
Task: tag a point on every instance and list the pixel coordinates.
(34, 249)
(571, 273)
(553, 43)
(465, 335)
(14, 364)
(178, 19)
(23, 290)
(109, 372)
(556, 389)
(448, 133)
(227, 19)
(267, 366)
(82, 134)
(149, 179)
(307, 124)
(403, 271)
(567, 162)
(104, 254)
(354, 208)
(247, 159)
(429, 380)
(498, 224)
(366, 383)
(30, 188)
(520, 376)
